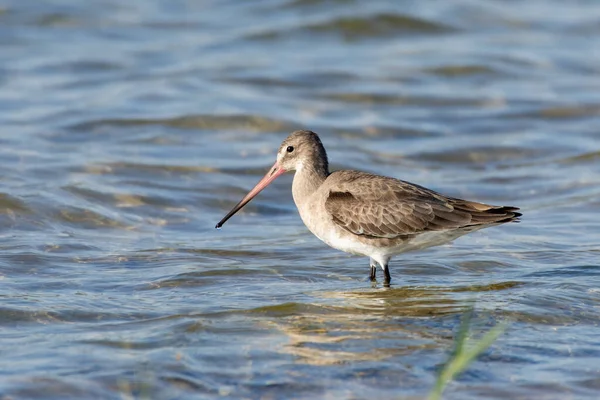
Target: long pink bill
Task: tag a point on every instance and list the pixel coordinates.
(273, 173)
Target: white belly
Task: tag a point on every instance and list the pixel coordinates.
(329, 232)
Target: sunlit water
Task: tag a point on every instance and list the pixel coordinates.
(128, 129)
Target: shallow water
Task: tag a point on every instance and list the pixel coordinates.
(128, 130)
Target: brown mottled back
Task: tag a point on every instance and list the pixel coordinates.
(382, 207)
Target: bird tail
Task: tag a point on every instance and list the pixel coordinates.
(483, 214)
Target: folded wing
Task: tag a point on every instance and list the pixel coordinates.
(382, 207)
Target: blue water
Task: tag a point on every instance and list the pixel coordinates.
(128, 129)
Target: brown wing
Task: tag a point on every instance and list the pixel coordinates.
(382, 207)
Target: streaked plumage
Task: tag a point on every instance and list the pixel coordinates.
(368, 214)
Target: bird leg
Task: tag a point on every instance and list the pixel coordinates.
(373, 265)
(386, 273)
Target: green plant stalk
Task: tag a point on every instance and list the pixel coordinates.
(461, 357)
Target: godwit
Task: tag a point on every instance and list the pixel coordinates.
(370, 215)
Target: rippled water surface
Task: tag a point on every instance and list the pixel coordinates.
(128, 129)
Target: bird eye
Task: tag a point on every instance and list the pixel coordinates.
(290, 149)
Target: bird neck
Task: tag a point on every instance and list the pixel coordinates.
(307, 179)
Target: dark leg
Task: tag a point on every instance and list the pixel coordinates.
(373, 270)
(386, 273)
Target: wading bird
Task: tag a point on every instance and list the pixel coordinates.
(371, 215)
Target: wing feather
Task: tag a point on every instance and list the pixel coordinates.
(382, 207)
